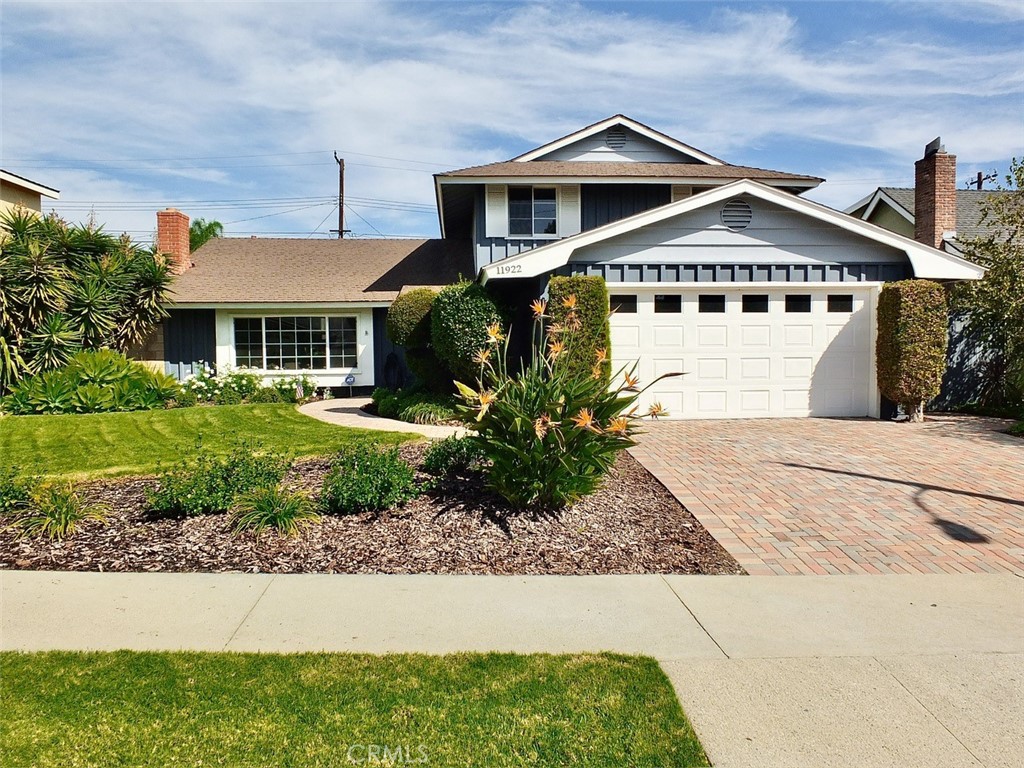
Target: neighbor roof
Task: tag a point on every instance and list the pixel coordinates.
(34, 186)
(230, 270)
(969, 203)
(578, 169)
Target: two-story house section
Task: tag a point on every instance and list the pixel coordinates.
(764, 299)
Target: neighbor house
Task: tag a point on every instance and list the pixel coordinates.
(766, 300)
(17, 190)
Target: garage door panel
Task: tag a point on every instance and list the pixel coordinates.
(625, 336)
(712, 336)
(756, 336)
(798, 335)
(798, 367)
(668, 336)
(712, 369)
(755, 402)
(755, 368)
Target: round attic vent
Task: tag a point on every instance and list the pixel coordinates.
(736, 214)
(615, 138)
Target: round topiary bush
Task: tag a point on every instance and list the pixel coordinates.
(408, 323)
(459, 320)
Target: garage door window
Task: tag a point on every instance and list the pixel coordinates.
(668, 303)
(622, 304)
(755, 302)
(798, 302)
(711, 302)
(840, 302)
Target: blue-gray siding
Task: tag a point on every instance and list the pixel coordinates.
(190, 338)
(389, 367)
(967, 361)
(740, 273)
(605, 203)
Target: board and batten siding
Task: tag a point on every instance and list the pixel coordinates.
(492, 241)
(190, 339)
(605, 203)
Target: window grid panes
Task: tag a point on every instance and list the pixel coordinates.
(532, 211)
(296, 343)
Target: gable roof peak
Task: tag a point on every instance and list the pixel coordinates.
(623, 121)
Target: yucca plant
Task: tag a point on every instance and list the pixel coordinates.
(56, 511)
(68, 287)
(286, 512)
(550, 432)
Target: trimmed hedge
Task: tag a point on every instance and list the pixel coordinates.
(592, 312)
(408, 323)
(912, 339)
(458, 326)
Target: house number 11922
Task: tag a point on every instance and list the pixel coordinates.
(510, 269)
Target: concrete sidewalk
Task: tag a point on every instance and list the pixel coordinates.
(348, 412)
(773, 671)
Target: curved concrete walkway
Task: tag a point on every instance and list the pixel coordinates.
(347, 412)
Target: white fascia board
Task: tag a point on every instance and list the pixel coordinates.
(625, 122)
(32, 186)
(284, 306)
(692, 181)
(927, 262)
(751, 286)
(872, 201)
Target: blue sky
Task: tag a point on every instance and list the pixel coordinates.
(232, 110)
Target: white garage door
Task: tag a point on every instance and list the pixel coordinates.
(751, 352)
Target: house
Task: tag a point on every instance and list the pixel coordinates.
(766, 300)
(17, 190)
(936, 213)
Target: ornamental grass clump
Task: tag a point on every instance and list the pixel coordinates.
(550, 431)
(56, 511)
(286, 512)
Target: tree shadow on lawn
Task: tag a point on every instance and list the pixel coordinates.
(467, 494)
(954, 530)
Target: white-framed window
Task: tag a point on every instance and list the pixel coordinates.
(532, 211)
(296, 343)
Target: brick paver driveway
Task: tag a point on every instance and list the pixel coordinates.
(829, 496)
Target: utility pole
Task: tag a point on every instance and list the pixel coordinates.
(979, 182)
(341, 196)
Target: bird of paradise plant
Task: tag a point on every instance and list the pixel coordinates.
(551, 435)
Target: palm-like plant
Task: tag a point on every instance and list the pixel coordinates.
(201, 230)
(65, 287)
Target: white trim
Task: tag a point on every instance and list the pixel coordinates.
(927, 262)
(773, 285)
(296, 306)
(33, 186)
(625, 122)
(872, 201)
(692, 181)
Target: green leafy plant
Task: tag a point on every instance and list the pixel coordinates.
(416, 405)
(266, 395)
(271, 507)
(206, 483)
(290, 387)
(56, 511)
(408, 322)
(367, 479)
(912, 339)
(65, 287)
(591, 310)
(228, 396)
(15, 492)
(453, 455)
(459, 319)
(550, 435)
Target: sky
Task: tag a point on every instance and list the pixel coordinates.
(233, 110)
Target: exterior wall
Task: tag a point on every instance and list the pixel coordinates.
(11, 195)
(490, 249)
(151, 352)
(189, 340)
(605, 203)
(364, 371)
(887, 218)
(966, 360)
(389, 366)
(632, 148)
(775, 235)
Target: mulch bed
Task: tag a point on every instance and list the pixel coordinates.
(631, 525)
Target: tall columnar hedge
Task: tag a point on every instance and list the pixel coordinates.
(912, 339)
(408, 322)
(459, 320)
(591, 309)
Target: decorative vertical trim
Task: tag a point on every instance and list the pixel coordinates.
(496, 216)
(569, 210)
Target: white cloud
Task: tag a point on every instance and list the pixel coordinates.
(465, 84)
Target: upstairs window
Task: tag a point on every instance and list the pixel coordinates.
(532, 211)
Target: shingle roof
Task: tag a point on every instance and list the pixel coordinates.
(969, 203)
(278, 270)
(552, 168)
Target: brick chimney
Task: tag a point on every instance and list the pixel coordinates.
(934, 195)
(172, 238)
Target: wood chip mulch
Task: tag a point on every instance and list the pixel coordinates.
(631, 525)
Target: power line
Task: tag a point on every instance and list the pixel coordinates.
(322, 222)
(364, 220)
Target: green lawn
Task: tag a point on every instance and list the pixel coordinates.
(134, 443)
(248, 710)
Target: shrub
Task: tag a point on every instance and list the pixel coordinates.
(227, 396)
(453, 455)
(408, 323)
(912, 339)
(414, 405)
(429, 370)
(588, 297)
(224, 386)
(386, 402)
(95, 381)
(15, 492)
(366, 479)
(550, 435)
(295, 389)
(56, 511)
(459, 323)
(272, 507)
(186, 399)
(206, 483)
(266, 395)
